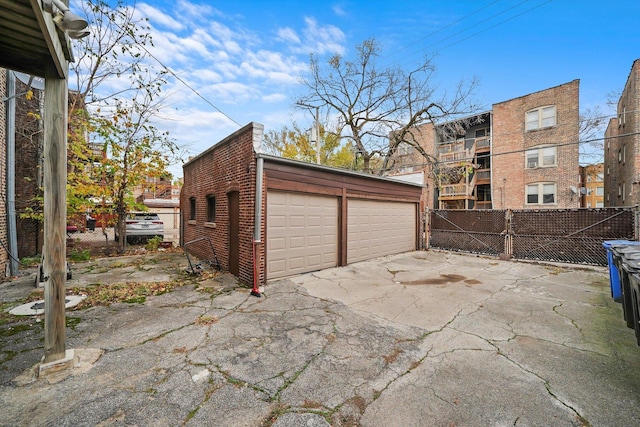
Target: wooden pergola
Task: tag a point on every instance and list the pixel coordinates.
(31, 42)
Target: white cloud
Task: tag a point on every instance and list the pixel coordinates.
(158, 18)
(275, 98)
(315, 38)
(339, 11)
(288, 35)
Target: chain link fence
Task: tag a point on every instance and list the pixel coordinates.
(564, 235)
(480, 231)
(98, 234)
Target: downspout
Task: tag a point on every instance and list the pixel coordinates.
(11, 172)
(257, 225)
(258, 130)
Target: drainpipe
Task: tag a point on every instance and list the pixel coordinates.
(11, 172)
(257, 224)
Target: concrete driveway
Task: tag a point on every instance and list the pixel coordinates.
(419, 339)
(502, 343)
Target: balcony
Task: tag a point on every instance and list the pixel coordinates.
(482, 144)
(458, 191)
(483, 176)
(455, 153)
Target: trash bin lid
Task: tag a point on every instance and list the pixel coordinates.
(624, 249)
(621, 249)
(631, 265)
(609, 243)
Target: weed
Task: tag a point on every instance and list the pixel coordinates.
(72, 322)
(80, 254)
(31, 261)
(153, 243)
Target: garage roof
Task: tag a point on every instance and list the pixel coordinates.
(334, 170)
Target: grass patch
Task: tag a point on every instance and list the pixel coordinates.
(12, 330)
(5, 316)
(72, 322)
(30, 261)
(80, 255)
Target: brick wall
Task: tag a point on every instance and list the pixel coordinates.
(228, 166)
(4, 256)
(29, 146)
(510, 140)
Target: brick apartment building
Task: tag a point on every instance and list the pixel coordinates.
(622, 146)
(522, 154)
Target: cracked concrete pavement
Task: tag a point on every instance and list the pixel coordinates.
(418, 339)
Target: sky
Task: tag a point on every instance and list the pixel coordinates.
(239, 61)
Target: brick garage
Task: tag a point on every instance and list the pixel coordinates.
(364, 216)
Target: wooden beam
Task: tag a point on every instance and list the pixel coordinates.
(55, 213)
(50, 34)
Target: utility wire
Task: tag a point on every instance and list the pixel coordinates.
(170, 71)
(397, 51)
(522, 150)
(495, 25)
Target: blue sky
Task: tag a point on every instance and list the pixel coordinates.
(246, 57)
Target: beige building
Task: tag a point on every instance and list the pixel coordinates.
(522, 154)
(592, 190)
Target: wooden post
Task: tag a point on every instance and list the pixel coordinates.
(55, 213)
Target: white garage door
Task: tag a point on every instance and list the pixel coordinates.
(377, 228)
(302, 233)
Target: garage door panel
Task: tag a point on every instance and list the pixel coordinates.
(302, 232)
(378, 228)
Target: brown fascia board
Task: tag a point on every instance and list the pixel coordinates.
(337, 171)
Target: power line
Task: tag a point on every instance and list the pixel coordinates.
(522, 150)
(475, 25)
(170, 71)
(397, 51)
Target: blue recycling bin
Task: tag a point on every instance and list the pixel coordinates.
(614, 275)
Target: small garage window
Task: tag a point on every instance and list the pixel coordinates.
(211, 208)
(192, 208)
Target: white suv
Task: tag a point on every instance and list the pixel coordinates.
(142, 226)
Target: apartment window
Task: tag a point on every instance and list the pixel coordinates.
(541, 157)
(211, 208)
(624, 191)
(599, 204)
(543, 193)
(405, 149)
(192, 208)
(600, 177)
(480, 133)
(539, 118)
(624, 153)
(599, 191)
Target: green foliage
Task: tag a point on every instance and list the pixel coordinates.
(30, 261)
(80, 255)
(153, 243)
(294, 143)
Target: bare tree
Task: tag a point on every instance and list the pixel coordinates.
(370, 102)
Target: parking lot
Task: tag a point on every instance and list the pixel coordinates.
(423, 338)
